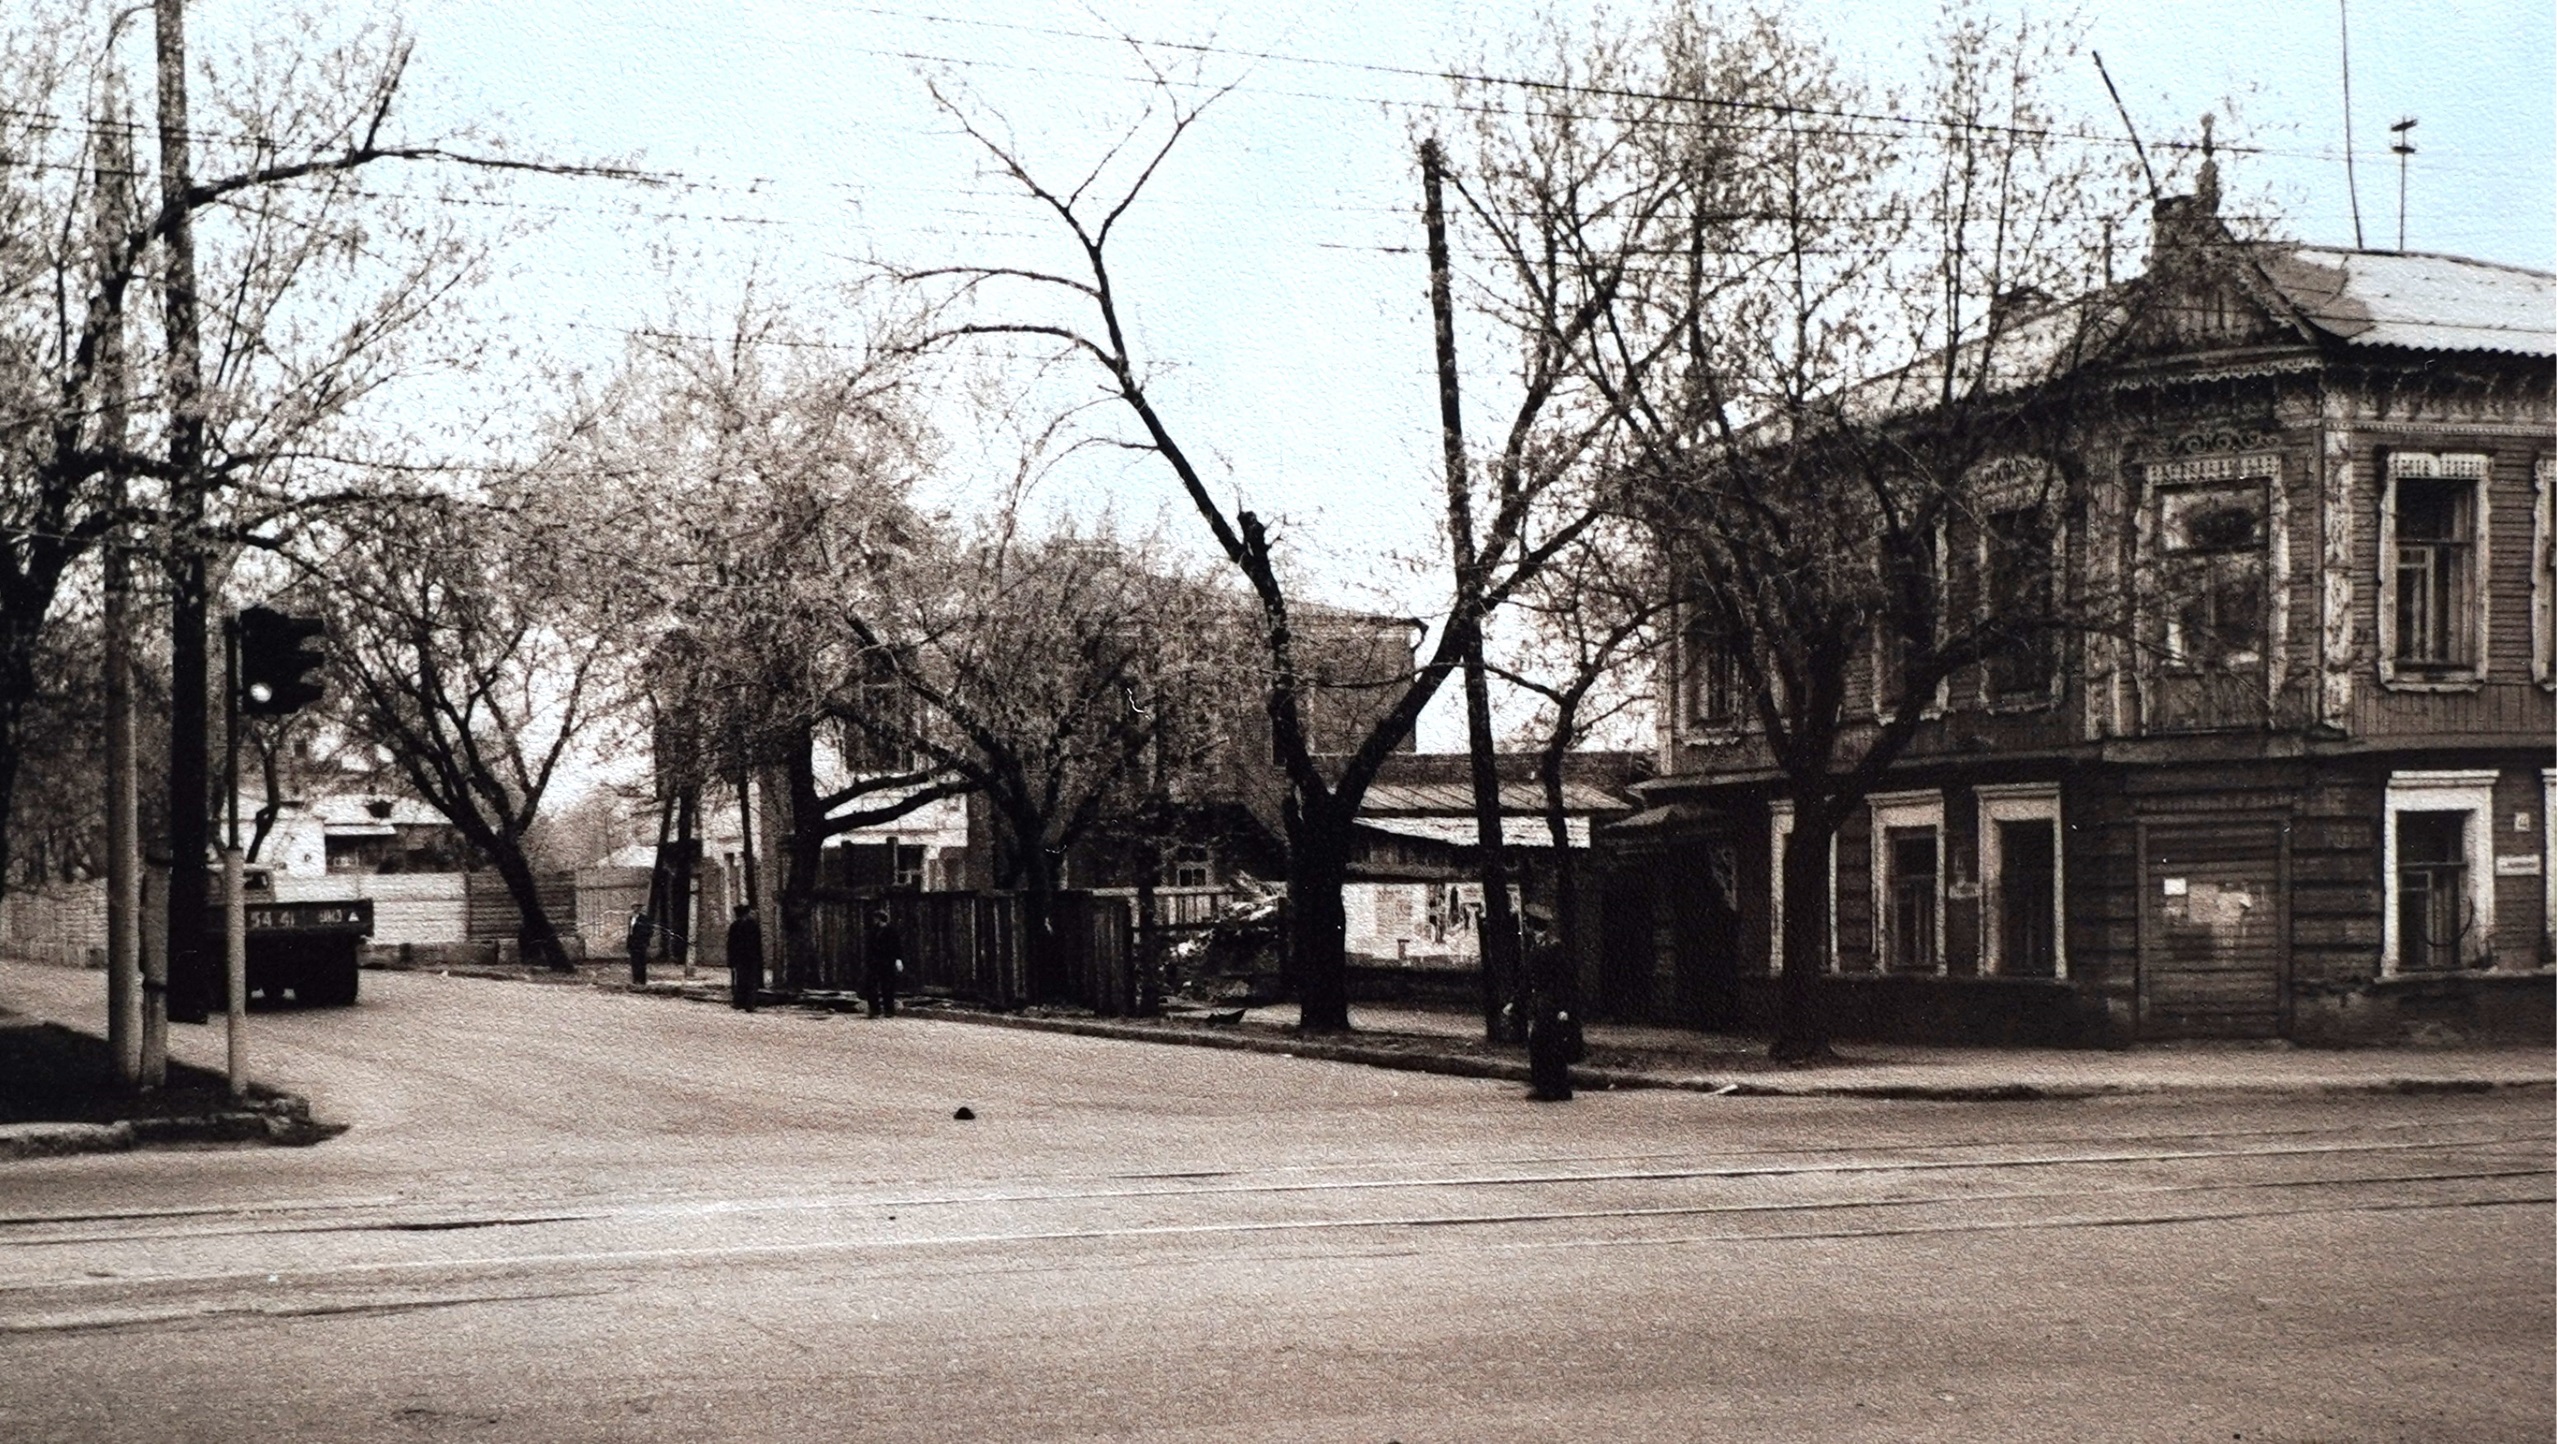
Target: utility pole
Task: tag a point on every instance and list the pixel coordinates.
(189, 980)
(235, 937)
(1500, 927)
(114, 200)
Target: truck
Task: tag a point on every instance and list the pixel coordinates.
(309, 948)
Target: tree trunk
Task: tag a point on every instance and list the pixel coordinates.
(1043, 950)
(535, 935)
(1802, 1028)
(1318, 862)
(803, 851)
(17, 685)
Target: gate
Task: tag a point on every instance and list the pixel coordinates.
(2213, 928)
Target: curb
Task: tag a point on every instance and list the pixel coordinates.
(1603, 1079)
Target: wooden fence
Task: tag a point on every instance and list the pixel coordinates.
(974, 945)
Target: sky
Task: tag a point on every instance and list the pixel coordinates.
(1273, 269)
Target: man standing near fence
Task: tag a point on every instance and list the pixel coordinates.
(884, 958)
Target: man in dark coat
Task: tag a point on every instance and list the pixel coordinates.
(1553, 1035)
(745, 958)
(636, 941)
(885, 954)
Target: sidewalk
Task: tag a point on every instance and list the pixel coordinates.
(1630, 1056)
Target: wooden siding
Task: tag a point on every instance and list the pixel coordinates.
(2211, 929)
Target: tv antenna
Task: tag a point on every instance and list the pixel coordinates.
(2404, 147)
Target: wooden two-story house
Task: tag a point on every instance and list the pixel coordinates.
(2302, 789)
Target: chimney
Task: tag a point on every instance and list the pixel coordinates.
(2180, 224)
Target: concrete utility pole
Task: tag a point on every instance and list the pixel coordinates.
(114, 201)
(1500, 927)
(188, 988)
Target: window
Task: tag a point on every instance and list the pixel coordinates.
(1189, 867)
(1897, 631)
(2019, 575)
(2436, 858)
(2433, 550)
(2021, 876)
(1909, 928)
(2432, 890)
(2435, 574)
(1715, 699)
(1908, 903)
(2211, 552)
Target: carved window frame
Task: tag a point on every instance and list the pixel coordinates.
(2018, 484)
(2261, 466)
(2543, 572)
(2474, 468)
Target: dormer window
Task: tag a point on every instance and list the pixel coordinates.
(2433, 551)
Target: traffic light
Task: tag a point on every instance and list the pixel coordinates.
(278, 653)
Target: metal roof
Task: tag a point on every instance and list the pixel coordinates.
(1457, 798)
(2417, 300)
(1459, 831)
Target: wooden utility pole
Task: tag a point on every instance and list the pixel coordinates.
(1500, 927)
(189, 986)
(114, 200)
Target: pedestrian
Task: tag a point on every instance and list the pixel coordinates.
(885, 954)
(1553, 1034)
(636, 941)
(745, 958)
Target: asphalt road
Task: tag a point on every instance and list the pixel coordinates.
(563, 1214)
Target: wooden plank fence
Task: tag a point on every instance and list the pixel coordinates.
(972, 945)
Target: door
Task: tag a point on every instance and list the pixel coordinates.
(2212, 930)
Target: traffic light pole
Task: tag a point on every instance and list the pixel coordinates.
(235, 937)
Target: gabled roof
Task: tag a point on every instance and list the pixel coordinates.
(2417, 300)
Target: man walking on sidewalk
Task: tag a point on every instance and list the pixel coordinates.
(745, 958)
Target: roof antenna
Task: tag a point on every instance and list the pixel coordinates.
(2125, 112)
(2344, 34)
(2404, 147)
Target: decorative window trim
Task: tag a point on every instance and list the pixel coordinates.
(1779, 827)
(1903, 809)
(2469, 466)
(2154, 476)
(2543, 572)
(1691, 661)
(2472, 792)
(2021, 802)
(2012, 495)
(1935, 705)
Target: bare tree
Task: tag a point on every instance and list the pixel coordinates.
(1078, 308)
(1593, 621)
(748, 485)
(1837, 382)
(1061, 677)
(458, 644)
